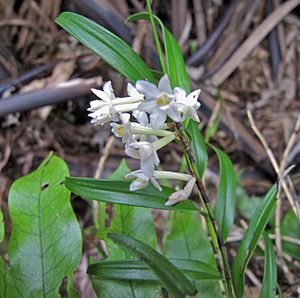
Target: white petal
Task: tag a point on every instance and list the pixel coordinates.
(158, 119)
(146, 149)
(132, 91)
(164, 85)
(176, 197)
(141, 117)
(173, 112)
(136, 174)
(147, 166)
(189, 186)
(107, 88)
(193, 114)
(182, 194)
(96, 104)
(103, 111)
(148, 89)
(197, 105)
(114, 129)
(155, 184)
(134, 153)
(101, 94)
(138, 184)
(179, 92)
(192, 98)
(148, 106)
(124, 117)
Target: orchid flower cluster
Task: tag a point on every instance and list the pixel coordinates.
(150, 106)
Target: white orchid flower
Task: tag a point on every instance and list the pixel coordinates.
(146, 153)
(141, 181)
(187, 105)
(159, 101)
(108, 108)
(123, 130)
(182, 194)
(103, 110)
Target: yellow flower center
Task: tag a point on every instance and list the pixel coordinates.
(163, 100)
(120, 130)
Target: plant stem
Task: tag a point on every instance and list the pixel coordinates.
(203, 204)
(156, 39)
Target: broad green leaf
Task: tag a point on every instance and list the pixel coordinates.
(225, 203)
(175, 63)
(250, 239)
(130, 221)
(269, 284)
(290, 227)
(198, 147)
(171, 277)
(105, 44)
(117, 192)
(45, 244)
(134, 270)
(187, 240)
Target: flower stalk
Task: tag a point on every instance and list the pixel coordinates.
(205, 209)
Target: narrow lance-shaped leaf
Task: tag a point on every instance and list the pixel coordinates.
(133, 270)
(107, 45)
(175, 62)
(250, 239)
(198, 147)
(225, 203)
(117, 192)
(171, 277)
(45, 244)
(269, 284)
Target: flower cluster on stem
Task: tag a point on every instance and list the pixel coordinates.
(140, 120)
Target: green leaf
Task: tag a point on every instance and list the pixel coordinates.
(117, 192)
(134, 270)
(187, 240)
(120, 172)
(175, 63)
(290, 227)
(269, 284)
(225, 203)
(45, 244)
(198, 147)
(105, 44)
(171, 277)
(250, 239)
